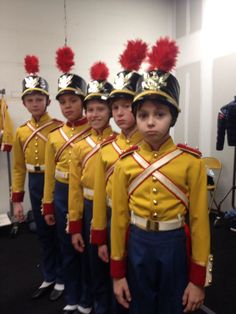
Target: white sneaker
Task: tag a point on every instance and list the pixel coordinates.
(232, 229)
(84, 310)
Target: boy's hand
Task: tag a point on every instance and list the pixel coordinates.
(50, 219)
(193, 297)
(121, 291)
(103, 253)
(78, 242)
(18, 212)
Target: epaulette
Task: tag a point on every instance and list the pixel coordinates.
(58, 121)
(188, 149)
(56, 127)
(109, 139)
(129, 151)
(24, 124)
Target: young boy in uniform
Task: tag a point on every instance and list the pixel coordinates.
(71, 92)
(81, 187)
(120, 101)
(159, 184)
(28, 156)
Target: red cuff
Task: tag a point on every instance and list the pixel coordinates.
(75, 226)
(197, 274)
(48, 209)
(118, 268)
(99, 236)
(6, 147)
(17, 197)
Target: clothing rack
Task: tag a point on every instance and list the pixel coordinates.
(2, 91)
(14, 229)
(233, 187)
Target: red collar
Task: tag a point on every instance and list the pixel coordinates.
(77, 122)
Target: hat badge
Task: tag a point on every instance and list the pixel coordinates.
(95, 86)
(31, 82)
(153, 81)
(122, 80)
(64, 81)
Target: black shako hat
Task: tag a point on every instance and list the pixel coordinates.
(131, 59)
(33, 83)
(68, 83)
(98, 88)
(158, 83)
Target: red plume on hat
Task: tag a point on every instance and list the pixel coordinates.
(163, 55)
(65, 59)
(134, 54)
(99, 71)
(31, 64)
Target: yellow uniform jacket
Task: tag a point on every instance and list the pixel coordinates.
(29, 151)
(6, 128)
(81, 178)
(151, 198)
(107, 157)
(58, 157)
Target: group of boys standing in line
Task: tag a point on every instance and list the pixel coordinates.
(114, 205)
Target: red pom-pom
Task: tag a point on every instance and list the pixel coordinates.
(65, 59)
(31, 64)
(134, 54)
(99, 71)
(163, 55)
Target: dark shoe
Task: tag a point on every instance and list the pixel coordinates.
(71, 311)
(41, 292)
(55, 294)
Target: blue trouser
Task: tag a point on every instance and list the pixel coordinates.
(51, 258)
(157, 271)
(96, 272)
(70, 257)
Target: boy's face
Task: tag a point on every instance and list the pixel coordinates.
(71, 106)
(122, 113)
(98, 114)
(36, 104)
(153, 121)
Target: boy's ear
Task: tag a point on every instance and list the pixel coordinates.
(48, 101)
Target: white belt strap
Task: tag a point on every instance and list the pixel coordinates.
(36, 132)
(95, 148)
(68, 141)
(109, 202)
(88, 192)
(34, 168)
(117, 148)
(61, 174)
(153, 169)
(149, 224)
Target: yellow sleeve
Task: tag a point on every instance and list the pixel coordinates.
(120, 221)
(198, 214)
(76, 198)
(7, 137)
(19, 170)
(99, 220)
(199, 223)
(49, 179)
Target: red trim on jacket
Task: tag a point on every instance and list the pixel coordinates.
(75, 226)
(99, 237)
(118, 268)
(17, 197)
(197, 274)
(48, 209)
(6, 147)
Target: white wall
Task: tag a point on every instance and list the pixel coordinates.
(97, 30)
(205, 31)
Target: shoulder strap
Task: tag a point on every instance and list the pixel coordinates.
(68, 141)
(36, 132)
